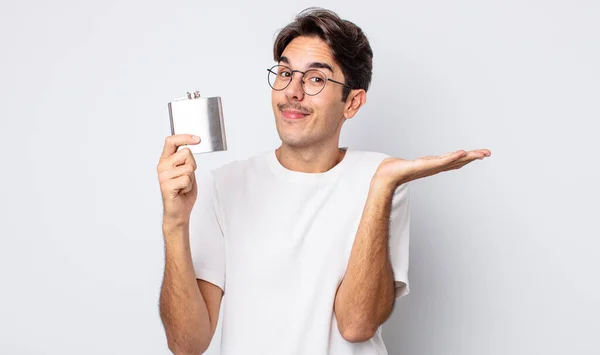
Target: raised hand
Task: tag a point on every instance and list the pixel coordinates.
(176, 174)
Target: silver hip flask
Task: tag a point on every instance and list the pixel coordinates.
(200, 116)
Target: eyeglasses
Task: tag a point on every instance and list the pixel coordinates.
(313, 80)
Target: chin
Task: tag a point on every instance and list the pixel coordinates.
(290, 139)
(293, 139)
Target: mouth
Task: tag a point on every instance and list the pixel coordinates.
(293, 114)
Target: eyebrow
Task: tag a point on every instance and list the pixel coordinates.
(317, 65)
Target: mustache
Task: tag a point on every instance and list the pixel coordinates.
(294, 107)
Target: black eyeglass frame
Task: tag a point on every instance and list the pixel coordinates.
(270, 70)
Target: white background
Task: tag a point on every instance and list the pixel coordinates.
(504, 252)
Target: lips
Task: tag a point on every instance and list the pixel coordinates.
(294, 115)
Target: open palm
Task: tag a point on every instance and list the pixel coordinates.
(397, 171)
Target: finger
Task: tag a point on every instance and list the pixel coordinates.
(477, 154)
(190, 186)
(175, 186)
(186, 169)
(184, 156)
(466, 158)
(481, 152)
(447, 155)
(453, 156)
(174, 141)
(471, 156)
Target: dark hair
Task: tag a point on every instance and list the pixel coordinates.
(347, 41)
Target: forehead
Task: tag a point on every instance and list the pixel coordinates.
(302, 51)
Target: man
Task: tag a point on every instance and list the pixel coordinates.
(306, 244)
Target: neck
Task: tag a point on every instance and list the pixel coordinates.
(310, 159)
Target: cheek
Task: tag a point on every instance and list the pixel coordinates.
(332, 111)
(332, 103)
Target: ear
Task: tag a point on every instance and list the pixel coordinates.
(355, 100)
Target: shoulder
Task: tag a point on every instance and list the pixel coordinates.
(369, 156)
(367, 161)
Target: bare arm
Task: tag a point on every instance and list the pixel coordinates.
(365, 298)
(189, 308)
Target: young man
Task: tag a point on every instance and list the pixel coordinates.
(306, 244)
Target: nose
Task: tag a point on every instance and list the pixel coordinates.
(294, 89)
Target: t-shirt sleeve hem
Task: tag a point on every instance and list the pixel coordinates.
(401, 289)
(210, 276)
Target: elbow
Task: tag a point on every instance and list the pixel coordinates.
(181, 348)
(178, 350)
(357, 334)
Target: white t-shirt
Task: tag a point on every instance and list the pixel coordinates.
(278, 243)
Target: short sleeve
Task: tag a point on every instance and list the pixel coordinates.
(399, 238)
(206, 235)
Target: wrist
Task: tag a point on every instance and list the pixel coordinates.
(174, 223)
(383, 185)
(175, 231)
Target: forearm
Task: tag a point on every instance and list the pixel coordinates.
(365, 297)
(182, 308)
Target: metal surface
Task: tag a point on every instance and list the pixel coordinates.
(201, 116)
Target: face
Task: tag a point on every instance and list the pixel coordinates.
(303, 120)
